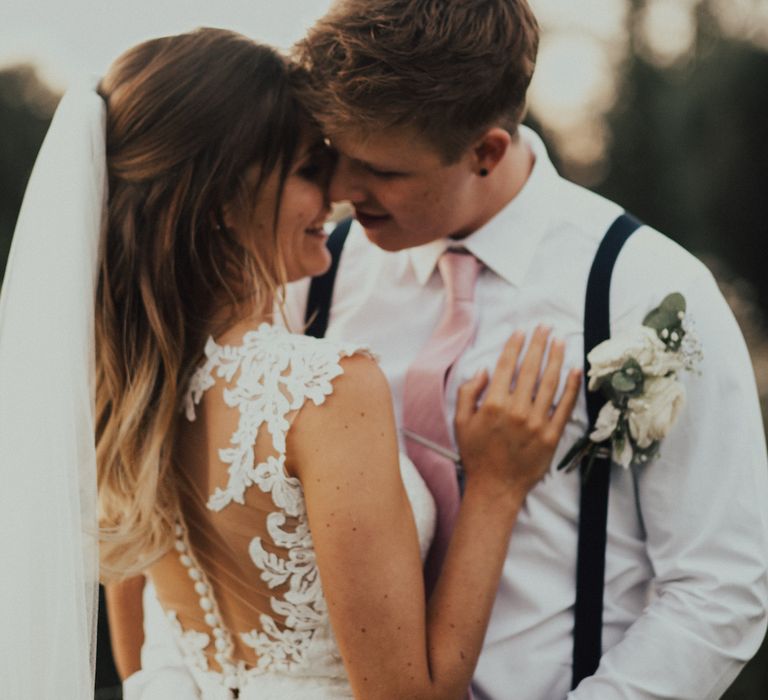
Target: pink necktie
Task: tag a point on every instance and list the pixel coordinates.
(424, 397)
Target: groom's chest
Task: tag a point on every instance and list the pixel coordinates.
(384, 306)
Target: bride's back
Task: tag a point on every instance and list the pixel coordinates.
(219, 540)
(241, 584)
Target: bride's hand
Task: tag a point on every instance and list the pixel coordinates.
(508, 441)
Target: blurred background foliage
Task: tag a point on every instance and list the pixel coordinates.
(683, 144)
(688, 154)
(26, 106)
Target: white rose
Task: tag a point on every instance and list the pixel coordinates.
(606, 423)
(653, 414)
(641, 344)
(622, 454)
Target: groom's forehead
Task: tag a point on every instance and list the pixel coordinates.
(376, 146)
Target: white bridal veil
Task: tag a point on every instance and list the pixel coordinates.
(48, 516)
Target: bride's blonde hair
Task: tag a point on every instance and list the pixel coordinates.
(186, 116)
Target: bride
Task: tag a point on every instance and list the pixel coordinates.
(237, 464)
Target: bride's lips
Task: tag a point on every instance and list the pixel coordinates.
(371, 220)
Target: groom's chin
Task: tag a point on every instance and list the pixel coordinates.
(390, 243)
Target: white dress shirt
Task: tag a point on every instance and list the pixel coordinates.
(687, 555)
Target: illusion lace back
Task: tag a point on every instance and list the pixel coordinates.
(241, 588)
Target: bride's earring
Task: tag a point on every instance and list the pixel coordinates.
(483, 172)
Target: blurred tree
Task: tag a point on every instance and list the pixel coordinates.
(688, 154)
(26, 107)
(689, 146)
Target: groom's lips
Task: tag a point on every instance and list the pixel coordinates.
(372, 220)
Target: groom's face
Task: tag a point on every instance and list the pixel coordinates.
(403, 192)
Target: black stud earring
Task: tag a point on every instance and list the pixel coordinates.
(483, 172)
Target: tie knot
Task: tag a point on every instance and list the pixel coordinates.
(459, 270)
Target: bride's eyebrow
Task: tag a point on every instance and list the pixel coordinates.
(303, 155)
(317, 148)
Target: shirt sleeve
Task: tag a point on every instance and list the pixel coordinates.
(703, 504)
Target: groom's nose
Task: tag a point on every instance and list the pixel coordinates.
(346, 183)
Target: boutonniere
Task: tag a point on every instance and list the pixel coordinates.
(637, 372)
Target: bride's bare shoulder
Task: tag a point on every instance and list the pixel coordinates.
(356, 418)
(360, 394)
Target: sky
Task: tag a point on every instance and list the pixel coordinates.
(69, 37)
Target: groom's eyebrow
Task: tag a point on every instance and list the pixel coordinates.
(356, 160)
(377, 166)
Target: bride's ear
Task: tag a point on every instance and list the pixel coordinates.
(224, 217)
(489, 150)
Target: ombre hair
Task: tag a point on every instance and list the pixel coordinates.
(187, 115)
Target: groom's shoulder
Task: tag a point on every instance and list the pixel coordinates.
(651, 252)
(650, 265)
(653, 266)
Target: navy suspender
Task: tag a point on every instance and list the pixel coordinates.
(318, 309)
(593, 508)
(593, 514)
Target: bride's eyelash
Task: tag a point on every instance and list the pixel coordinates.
(310, 171)
(318, 165)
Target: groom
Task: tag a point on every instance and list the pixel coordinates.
(423, 101)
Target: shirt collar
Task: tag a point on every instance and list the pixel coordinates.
(505, 244)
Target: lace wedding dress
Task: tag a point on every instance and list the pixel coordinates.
(241, 589)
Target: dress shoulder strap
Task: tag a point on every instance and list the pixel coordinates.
(269, 375)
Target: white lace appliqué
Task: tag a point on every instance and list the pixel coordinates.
(277, 372)
(191, 643)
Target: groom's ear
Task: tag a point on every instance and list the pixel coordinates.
(489, 149)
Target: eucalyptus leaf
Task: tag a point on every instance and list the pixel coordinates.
(674, 303)
(622, 383)
(633, 372)
(632, 368)
(666, 316)
(590, 464)
(575, 451)
(645, 455)
(659, 319)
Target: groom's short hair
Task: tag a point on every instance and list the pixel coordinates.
(448, 68)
